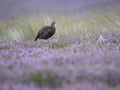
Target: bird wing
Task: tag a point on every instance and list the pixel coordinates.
(42, 30)
(47, 33)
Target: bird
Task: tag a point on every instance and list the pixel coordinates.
(46, 32)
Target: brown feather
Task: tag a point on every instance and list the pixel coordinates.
(46, 32)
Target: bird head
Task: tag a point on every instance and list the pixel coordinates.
(53, 23)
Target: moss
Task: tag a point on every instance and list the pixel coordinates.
(46, 79)
(112, 79)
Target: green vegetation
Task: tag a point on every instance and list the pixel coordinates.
(96, 21)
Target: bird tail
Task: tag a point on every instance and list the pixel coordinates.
(35, 38)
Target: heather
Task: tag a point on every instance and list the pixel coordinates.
(84, 54)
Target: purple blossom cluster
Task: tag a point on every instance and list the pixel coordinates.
(68, 62)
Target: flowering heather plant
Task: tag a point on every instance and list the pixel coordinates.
(84, 54)
(42, 64)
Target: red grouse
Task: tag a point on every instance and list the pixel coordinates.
(46, 32)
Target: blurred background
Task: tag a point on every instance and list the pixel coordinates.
(21, 19)
(9, 9)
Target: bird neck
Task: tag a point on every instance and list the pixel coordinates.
(52, 25)
(53, 28)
